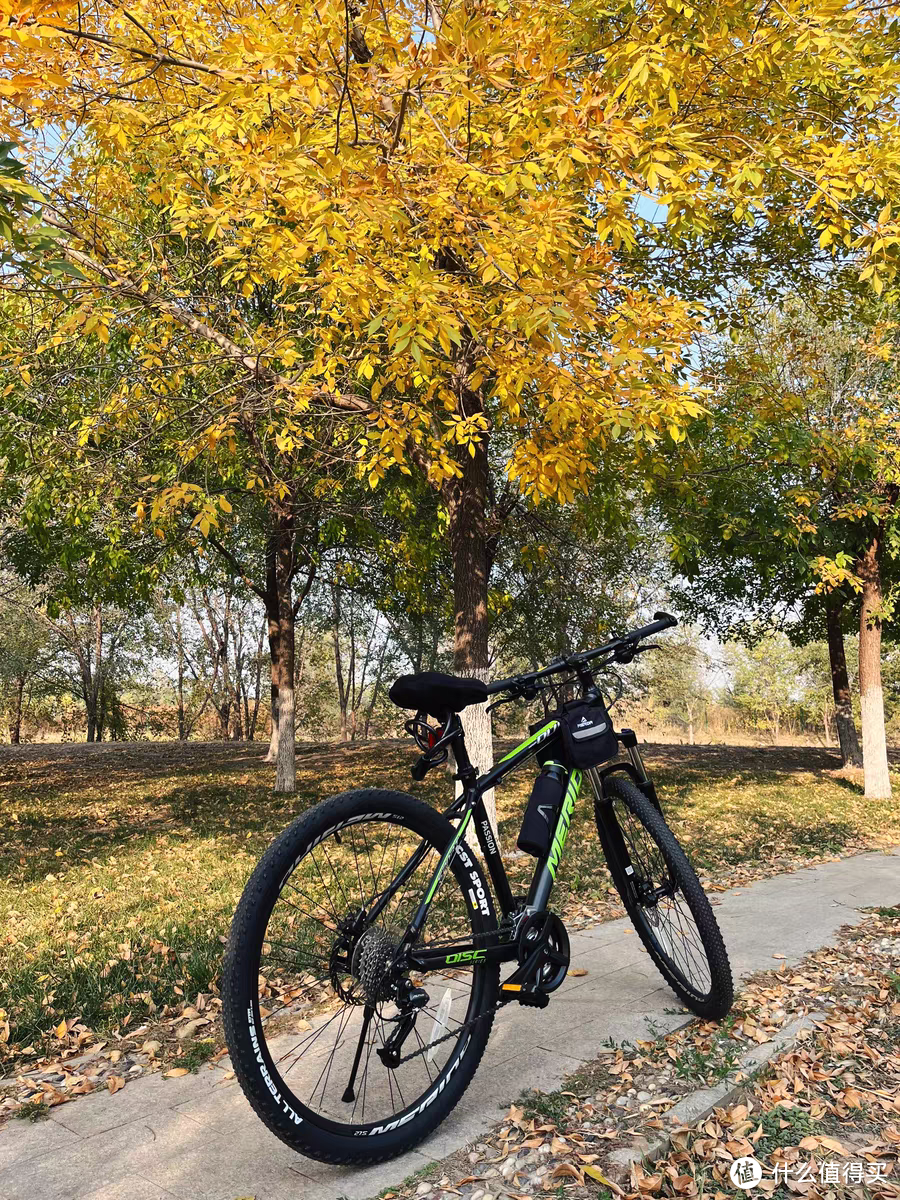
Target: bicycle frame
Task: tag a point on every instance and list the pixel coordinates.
(469, 807)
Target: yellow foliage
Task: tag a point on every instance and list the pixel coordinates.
(436, 207)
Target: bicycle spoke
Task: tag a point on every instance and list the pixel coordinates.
(668, 917)
(319, 959)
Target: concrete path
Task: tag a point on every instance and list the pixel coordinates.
(196, 1138)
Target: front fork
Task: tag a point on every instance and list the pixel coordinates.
(614, 844)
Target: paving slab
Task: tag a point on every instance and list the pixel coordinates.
(142, 1097)
(196, 1138)
(131, 1188)
(22, 1140)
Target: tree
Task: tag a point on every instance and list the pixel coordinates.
(360, 648)
(191, 695)
(783, 507)
(169, 469)
(228, 657)
(765, 685)
(677, 679)
(428, 208)
(26, 655)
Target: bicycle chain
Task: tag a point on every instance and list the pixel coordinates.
(453, 1033)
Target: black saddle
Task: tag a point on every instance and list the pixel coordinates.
(437, 694)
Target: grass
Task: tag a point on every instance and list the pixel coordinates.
(545, 1106)
(32, 1110)
(784, 1126)
(411, 1180)
(121, 865)
(196, 1054)
(709, 1062)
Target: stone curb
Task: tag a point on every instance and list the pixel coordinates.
(700, 1104)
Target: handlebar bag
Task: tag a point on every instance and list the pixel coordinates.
(588, 738)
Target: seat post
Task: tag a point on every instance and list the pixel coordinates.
(464, 769)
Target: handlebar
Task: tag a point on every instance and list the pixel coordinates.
(619, 648)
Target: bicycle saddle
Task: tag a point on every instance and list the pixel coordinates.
(437, 694)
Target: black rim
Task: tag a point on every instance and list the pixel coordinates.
(326, 1000)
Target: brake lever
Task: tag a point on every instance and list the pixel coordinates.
(525, 691)
(625, 654)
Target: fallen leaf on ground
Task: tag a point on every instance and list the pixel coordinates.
(596, 1174)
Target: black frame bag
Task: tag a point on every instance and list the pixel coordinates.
(588, 737)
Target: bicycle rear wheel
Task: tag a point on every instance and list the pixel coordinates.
(664, 898)
(312, 993)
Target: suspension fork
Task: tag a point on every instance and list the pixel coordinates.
(615, 847)
(609, 831)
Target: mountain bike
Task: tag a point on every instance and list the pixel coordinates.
(363, 970)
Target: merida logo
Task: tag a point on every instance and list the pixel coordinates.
(584, 721)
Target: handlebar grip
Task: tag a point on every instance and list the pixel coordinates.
(661, 621)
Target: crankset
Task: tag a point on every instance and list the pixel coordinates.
(543, 960)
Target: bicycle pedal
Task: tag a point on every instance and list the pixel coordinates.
(526, 996)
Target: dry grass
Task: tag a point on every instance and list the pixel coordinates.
(121, 865)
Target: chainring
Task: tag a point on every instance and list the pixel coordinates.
(545, 931)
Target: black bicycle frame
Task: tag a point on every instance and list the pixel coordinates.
(470, 809)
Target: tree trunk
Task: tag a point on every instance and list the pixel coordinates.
(99, 667)
(281, 619)
(370, 707)
(253, 715)
(182, 725)
(283, 671)
(851, 755)
(272, 753)
(15, 720)
(467, 506)
(875, 763)
(343, 685)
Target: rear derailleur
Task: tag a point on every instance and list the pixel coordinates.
(410, 1000)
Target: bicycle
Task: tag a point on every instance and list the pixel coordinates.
(362, 973)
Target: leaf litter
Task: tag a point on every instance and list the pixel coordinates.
(832, 1096)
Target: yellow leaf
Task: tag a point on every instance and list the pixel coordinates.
(61, 1030)
(596, 1174)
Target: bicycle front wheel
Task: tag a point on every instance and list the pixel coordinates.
(664, 898)
(331, 1057)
